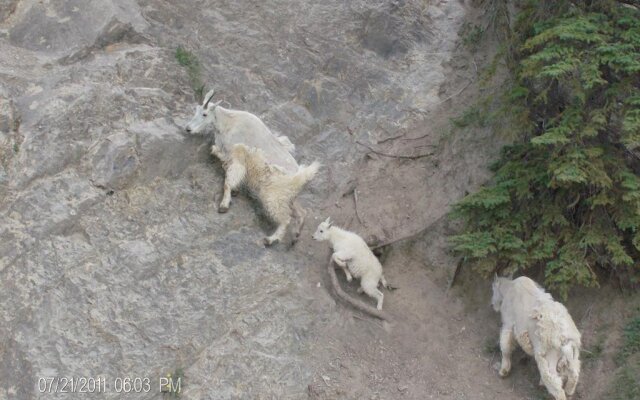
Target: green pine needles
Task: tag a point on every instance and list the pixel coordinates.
(566, 194)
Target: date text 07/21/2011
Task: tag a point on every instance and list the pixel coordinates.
(104, 385)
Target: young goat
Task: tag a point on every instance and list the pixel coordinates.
(351, 253)
(543, 328)
(275, 189)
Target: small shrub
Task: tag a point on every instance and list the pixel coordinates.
(491, 347)
(471, 35)
(631, 335)
(595, 351)
(626, 379)
(188, 60)
(626, 384)
(473, 116)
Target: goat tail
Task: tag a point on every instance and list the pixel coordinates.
(304, 175)
(568, 350)
(570, 364)
(570, 353)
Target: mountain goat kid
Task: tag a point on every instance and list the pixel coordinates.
(543, 328)
(351, 253)
(275, 189)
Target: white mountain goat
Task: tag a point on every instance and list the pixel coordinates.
(275, 189)
(543, 328)
(235, 126)
(351, 253)
(252, 154)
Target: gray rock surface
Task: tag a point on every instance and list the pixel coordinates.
(113, 259)
(7, 7)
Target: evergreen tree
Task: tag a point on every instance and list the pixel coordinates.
(566, 194)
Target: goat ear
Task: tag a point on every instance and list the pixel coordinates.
(214, 105)
(328, 221)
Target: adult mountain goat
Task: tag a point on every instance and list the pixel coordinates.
(251, 154)
(543, 328)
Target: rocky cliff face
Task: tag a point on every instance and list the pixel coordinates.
(114, 261)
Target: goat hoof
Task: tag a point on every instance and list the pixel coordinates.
(222, 209)
(503, 373)
(269, 242)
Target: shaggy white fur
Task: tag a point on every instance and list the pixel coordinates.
(351, 253)
(543, 328)
(275, 189)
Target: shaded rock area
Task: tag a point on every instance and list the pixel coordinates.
(7, 7)
(114, 261)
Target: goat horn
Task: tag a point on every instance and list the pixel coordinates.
(208, 96)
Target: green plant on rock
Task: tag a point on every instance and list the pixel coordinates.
(566, 193)
(626, 381)
(631, 339)
(188, 60)
(471, 35)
